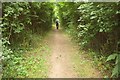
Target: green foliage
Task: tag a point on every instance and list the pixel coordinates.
(116, 69)
(92, 25)
(20, 20)
(12, 64)
(95, 26)
(111, 57)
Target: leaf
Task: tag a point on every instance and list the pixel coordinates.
(117, 59)
(111, 57)
(117, 12)
(81, 26)
(20, 9)
(93, 17)
(115, 71)
(101, 30)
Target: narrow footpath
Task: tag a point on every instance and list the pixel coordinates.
(64, 60)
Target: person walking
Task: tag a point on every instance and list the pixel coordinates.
(57, 23)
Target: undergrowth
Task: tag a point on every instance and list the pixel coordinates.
(97, 60)
(24, 61)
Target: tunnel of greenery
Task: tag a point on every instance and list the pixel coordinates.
(94, 26)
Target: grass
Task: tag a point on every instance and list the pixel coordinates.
(87, 64)
(35, 60)
(83, 63)
(84, 67)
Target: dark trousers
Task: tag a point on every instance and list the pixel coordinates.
(57, 25)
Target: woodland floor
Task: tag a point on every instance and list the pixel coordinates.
(65, 60)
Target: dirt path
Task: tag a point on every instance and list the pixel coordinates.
(62, 52)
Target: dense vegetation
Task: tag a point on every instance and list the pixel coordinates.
(20, 21)
(96, 27)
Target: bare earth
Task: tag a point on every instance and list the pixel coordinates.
(62, 52)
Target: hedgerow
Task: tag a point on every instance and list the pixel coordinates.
(95, 26)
